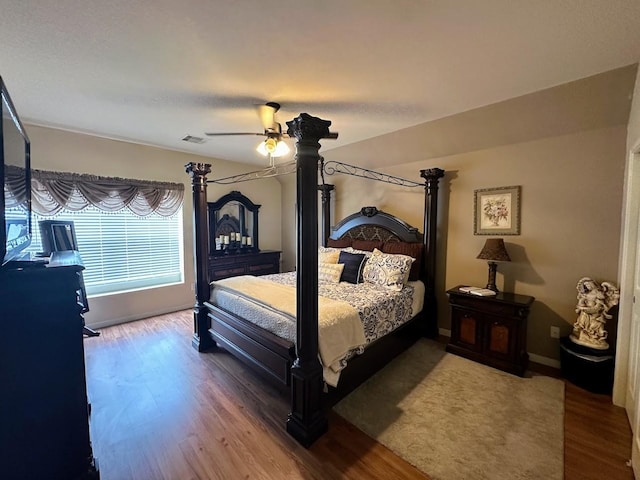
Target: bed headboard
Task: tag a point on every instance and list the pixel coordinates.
(372, 228)
(373, 224)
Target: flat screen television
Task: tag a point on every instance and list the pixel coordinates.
(15, 173)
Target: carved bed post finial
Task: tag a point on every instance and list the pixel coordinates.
(369, 211)
(431, 176)
(326, 189)
(198, 173)
(307, 421)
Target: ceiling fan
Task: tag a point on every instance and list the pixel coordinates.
(272, 146)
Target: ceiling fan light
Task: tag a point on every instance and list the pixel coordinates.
(266, 147)
(272, 147)
(270, 144)
(281, 149)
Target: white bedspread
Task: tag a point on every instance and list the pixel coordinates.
(339, 325)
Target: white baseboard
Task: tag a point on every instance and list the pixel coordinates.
(140, 316)
(444, 332)
(549, 362)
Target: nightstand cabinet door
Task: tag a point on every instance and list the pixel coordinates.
(501, 339)
(466, 329)
(490, 330)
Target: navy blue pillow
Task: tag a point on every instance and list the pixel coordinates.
(353, 264)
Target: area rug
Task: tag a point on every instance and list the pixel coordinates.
(455, 419)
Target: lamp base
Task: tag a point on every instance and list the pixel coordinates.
(491, 282)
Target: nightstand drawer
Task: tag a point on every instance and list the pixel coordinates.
(484, 304)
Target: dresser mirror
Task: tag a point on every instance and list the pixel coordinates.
(233, 225)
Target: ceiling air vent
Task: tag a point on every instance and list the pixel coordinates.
(192, 139)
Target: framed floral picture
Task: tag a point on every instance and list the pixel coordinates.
(497, 211)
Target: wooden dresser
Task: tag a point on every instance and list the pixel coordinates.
(490, 330)
(234, 264)
(44, 417)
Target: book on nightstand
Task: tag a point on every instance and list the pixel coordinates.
(483, 292)
(479, 291)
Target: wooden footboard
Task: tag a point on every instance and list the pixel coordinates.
(263, 351)
(271, 356)
(374, 358)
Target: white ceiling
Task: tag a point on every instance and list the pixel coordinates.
(153, 71)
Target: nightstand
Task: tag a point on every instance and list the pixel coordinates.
(490, 330)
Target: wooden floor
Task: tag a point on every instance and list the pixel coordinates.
(161, 410)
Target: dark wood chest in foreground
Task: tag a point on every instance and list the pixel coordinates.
(490, 330)
(44, 414)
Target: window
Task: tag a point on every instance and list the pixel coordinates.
(122, 251)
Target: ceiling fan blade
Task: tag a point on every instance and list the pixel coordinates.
(232, 133)
(267, 113)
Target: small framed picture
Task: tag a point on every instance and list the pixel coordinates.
(497, 211)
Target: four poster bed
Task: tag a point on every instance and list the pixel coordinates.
(226, 316)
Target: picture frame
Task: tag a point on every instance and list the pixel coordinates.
(496, 211)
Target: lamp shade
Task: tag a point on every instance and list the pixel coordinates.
(494, 250)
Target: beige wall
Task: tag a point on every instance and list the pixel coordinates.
(571, 203)
(288, 183)
(565, 146)
(59, 150)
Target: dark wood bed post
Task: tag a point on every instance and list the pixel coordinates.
(307, 420)
(431, 176)
(326, 189)
(198, 173)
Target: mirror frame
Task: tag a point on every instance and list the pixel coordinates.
(215, 220)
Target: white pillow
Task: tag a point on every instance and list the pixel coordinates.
(330, 272)
(328, 255)
(387, 270)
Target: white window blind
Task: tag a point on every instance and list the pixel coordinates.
(122, 251)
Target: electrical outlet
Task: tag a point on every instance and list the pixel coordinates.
(555, 332)
(193, 287)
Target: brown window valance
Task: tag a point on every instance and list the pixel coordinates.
(53, 191)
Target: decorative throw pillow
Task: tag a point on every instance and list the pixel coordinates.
(387, 270)
(339, 243)
(367, 253)
(353, 263)
(413, 250)
(328, 255)
(329, 272)
(368, 245)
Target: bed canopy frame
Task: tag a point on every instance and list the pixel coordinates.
(307, 420)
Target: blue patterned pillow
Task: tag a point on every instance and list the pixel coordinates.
(353, 263)
(387, 270)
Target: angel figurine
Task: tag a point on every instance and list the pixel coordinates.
(594, 301)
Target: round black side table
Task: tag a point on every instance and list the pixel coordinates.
(586, 367)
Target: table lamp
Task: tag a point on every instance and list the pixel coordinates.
(494, 251)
